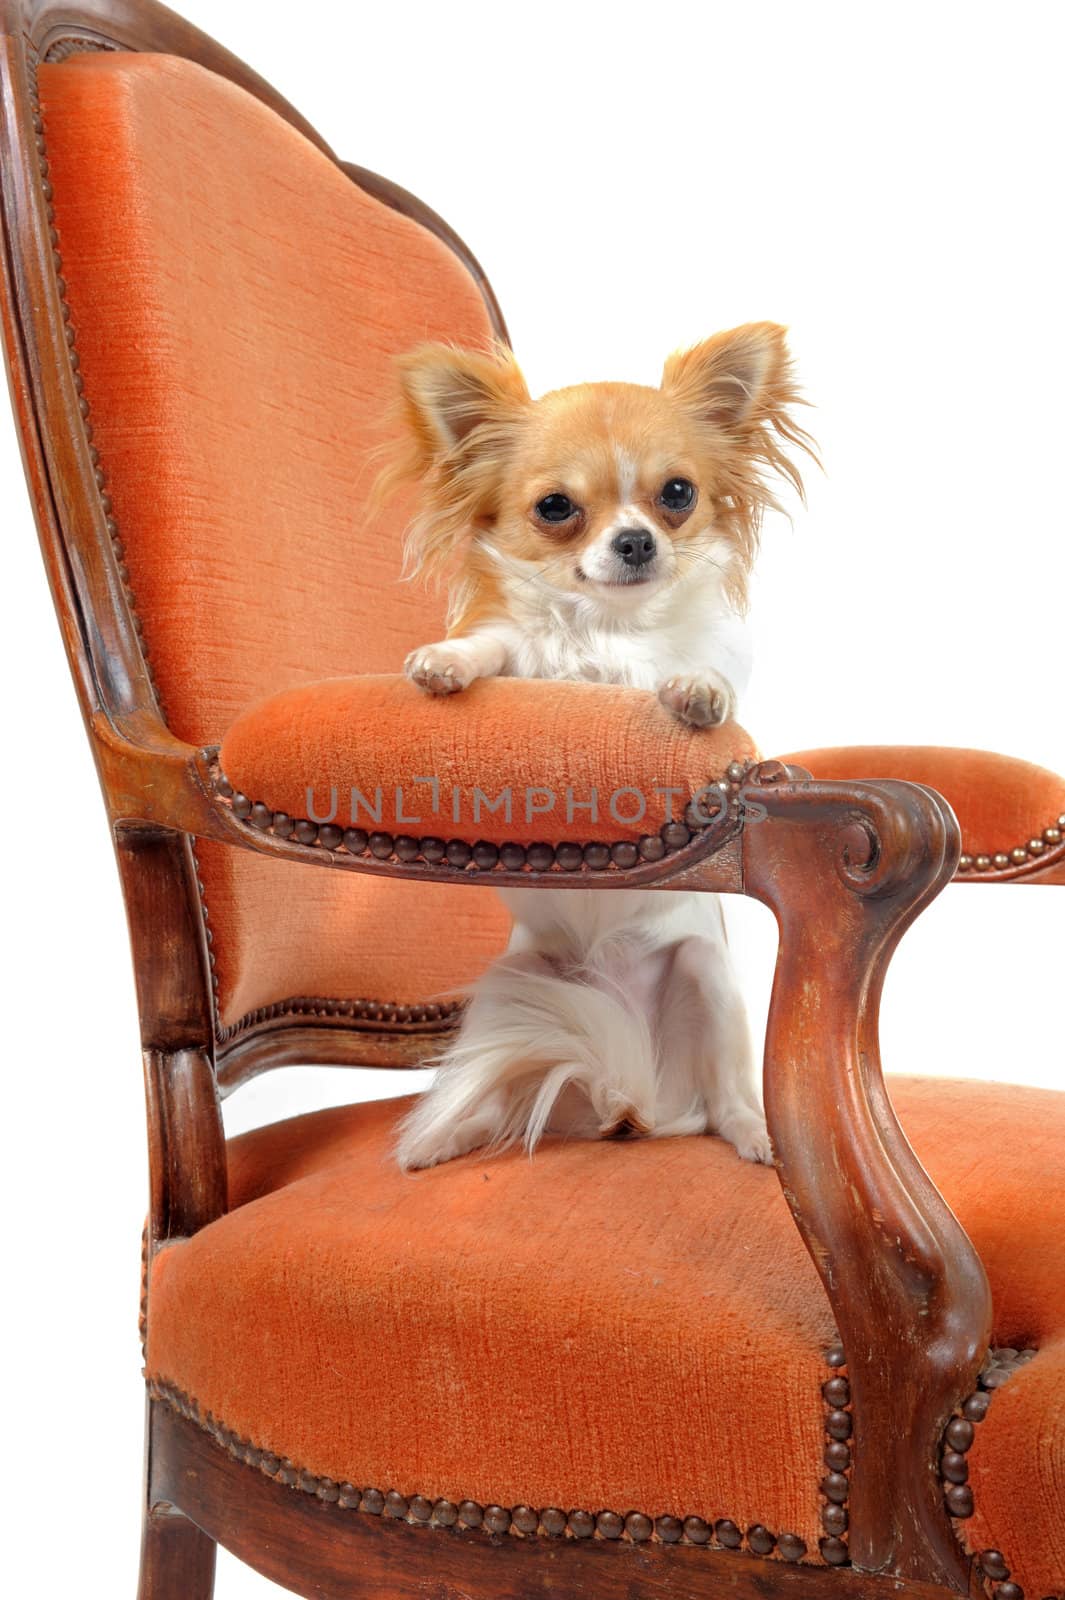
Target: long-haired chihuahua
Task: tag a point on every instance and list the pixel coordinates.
(603, 532)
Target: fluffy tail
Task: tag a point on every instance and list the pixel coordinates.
(528, 1036)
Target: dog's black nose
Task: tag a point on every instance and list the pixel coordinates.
(635, 546)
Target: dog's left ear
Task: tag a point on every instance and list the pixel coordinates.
(741, 386)
(735, 381)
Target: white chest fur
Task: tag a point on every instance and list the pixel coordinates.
(689, 631)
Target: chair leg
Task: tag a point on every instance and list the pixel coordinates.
(177, 1560)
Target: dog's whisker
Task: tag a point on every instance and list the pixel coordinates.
(537, 575)
(704, 557)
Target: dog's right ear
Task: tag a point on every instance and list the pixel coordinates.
(457, 416)
(450, 395)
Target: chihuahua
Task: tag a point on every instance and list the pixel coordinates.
(604, 532)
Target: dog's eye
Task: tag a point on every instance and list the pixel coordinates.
(677, 495)
(555, 508)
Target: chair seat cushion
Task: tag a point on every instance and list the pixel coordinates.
(508, 760)
(626, 1326)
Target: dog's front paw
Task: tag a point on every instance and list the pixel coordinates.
(704, 702)
(440, 668)
(747, 1133)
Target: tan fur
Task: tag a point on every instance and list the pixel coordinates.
(485, 453)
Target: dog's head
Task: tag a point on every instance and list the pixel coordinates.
(609, 491)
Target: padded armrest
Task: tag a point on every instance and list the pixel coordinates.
(1011, 813)
(581, 773)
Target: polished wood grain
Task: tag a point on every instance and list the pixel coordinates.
(289, 1044)
(177, 1558)
(187, 1157)
(315, 1548)
(845, 870)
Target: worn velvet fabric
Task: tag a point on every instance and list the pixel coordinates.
(238, 302)
(630, 1326)
(340, 935)
(1000, 801)
(584, 761)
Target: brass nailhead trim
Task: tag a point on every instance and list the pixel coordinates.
(212, 959)
(485, 856)
(70, 44)
(429, 1017)
(1052, 838)
(958, 1438)
(522, 1521)
(835, 1485)
(142, 1313)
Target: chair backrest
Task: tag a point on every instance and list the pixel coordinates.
(235, 302)
(200, 306)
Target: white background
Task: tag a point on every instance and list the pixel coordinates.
(633, 177)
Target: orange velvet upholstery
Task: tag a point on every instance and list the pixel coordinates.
(1002, 804)
(238, 302)
(621, 1326)
(317, 934)
(570, 760)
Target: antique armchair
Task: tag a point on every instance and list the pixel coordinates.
(624, 1369)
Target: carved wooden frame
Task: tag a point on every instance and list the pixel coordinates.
(845, 867)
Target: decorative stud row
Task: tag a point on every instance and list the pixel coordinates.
(1020, 855)
(208, 934)
(484, 856)
(429, 1016)
(521, 1521)
(835, 1485)
(73, 44)
(1000, 1366)
(142, 1311)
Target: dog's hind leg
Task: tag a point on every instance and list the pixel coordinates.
(537, 1050)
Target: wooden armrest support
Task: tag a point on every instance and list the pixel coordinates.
(153, 779)
(1011, 812)
(846, 867)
